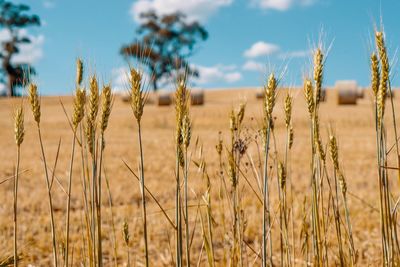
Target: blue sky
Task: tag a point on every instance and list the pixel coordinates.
(247, 38)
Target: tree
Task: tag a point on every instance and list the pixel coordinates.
(164, 44)
(13, 17)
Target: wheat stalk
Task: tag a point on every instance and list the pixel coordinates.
(181, 101)
(186, 133)
(90, 130)
(390, 247)
(334, 152)
(77, 116)
(106, 101)
(137, 104)
(237, 149)
(19, 133)
(35, 107)
(288, 106)
(269, 103)
(384, 77)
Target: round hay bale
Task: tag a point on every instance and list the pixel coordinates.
(260, 95)
(164, 99)
(388, 94)
(347, 92)
(360, 93)
(323, 95)
(125, 97)
(395, 91)
(197, 97)
(347, 97)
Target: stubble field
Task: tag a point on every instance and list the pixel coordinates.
(353, 124)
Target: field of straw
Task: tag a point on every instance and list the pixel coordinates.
(225, 162)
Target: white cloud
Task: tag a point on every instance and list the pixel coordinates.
(281, 5)
(120, 78)
(28, 53)
(49, 4)
(261, 49)
(217, 73)
(233, 77)
(252, 65)
(198, 10)
(31, 53)
(207, 75)
(296, 54)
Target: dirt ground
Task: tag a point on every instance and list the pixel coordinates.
(354, 126)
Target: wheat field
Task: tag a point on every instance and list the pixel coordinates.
(354, 127)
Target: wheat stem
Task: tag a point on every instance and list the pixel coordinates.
(142, 188)
(16, 179)
(67, 224)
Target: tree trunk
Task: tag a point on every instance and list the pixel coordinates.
(155, 86)
(10, 89)
(153, 77)
(8, 68)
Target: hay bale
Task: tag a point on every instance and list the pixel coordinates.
(348, 92)
(126, 97)
(164, 99)
(323, 95)
(260, 95)
(347, 97)
(395, 91)
(388, 94)
(360, 93)
(197, 97)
